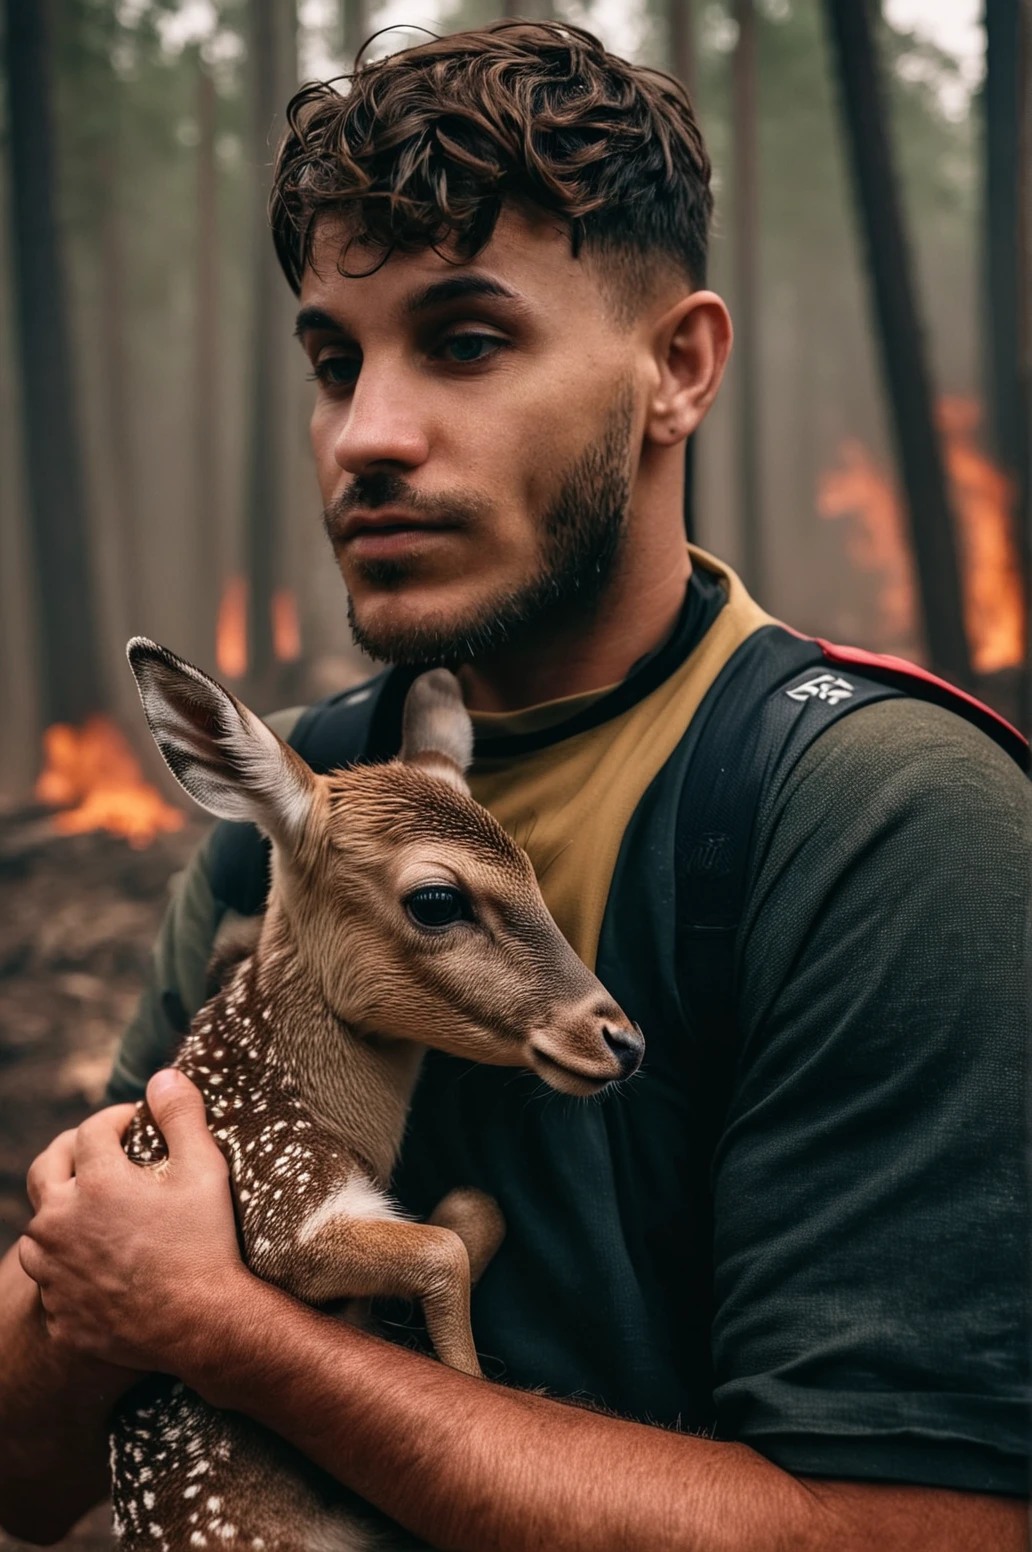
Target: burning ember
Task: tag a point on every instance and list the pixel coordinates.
(876, 540)
(231, 629)
(286, 627)
(92, 775)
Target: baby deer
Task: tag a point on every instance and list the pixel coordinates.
(400, 916)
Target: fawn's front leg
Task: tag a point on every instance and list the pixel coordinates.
(387, 1258)
(477, 1219)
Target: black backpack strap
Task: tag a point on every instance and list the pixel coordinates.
(358, 725)
(772, 699)
(362, 724)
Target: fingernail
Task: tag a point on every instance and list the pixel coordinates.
(167, 1078)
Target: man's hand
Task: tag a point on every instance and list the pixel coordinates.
(133, 1266)
(129, 1259)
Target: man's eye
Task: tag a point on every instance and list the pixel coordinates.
(336, 371)
(438, 905)
(471, 347)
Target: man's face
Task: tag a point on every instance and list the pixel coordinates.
(475, 434)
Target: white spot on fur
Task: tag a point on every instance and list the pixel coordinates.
(356, 1198)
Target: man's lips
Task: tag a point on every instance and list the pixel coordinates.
(387, 520)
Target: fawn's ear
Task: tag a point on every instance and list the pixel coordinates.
(437, 734)
(221, 753)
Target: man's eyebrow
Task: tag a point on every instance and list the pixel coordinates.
(459, 288)
(312, 320)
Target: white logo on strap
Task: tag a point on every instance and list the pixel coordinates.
(825, 687)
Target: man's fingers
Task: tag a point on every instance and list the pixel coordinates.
(53, 1167)
(177, 1106)
(99, 1138)
(31, 1258)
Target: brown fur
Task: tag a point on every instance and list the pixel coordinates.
(307, 1060)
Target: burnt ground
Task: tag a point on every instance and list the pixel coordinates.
(78, 915)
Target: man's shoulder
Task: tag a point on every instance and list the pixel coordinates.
(337, 709)
(285, 720)
(900, 809)
(904, 750)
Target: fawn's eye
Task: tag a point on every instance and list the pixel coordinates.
(438, 905)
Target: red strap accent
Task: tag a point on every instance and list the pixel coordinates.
(881, 665)
(898, 667)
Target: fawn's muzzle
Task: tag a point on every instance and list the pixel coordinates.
(627, 1046)
(582, 1050)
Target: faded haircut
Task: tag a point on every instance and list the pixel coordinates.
(425, 147)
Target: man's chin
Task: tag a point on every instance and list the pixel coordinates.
(408, 625)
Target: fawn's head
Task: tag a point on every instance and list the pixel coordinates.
(406, 904)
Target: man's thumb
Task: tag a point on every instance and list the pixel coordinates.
(177, 1106)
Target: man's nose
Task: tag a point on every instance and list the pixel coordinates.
(382, 429)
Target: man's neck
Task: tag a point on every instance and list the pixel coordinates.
(576, 655)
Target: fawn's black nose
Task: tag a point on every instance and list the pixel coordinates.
(627, 1046)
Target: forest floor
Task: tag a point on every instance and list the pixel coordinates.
(78, 915)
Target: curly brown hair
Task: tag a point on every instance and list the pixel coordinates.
(426, 146)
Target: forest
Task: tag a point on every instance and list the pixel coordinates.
(153, 467)
(865, 468)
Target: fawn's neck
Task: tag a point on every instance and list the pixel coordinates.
(360, 1089)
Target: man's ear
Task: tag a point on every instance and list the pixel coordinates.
(437, 734)
(691, 341)
(221, 753)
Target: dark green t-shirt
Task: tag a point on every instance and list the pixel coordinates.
(832, 1269)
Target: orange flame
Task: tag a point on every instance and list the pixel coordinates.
(994, 610)
(876, 541)
(231, 629)
(91, 774)
(286, 627)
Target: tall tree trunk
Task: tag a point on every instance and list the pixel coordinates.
(209, 561)
(1006, 69)
(71, 683)
(19, 707)
(900, 337)
(356, 25)
(533, 10)
(118, 397)
(1002, 280)
(1024, 236)
(746, 293)
(272, 80)
(681, 30)
(682, 61)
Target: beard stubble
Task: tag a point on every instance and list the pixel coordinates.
(581, 535)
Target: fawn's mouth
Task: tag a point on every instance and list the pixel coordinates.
(568, 1080)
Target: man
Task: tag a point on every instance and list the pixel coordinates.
(802, 1252)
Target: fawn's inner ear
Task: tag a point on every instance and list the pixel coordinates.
(220, 752)
(437, 734)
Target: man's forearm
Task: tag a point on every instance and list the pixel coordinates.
(54, 1409)
(476, 1467)
(142, 1268)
